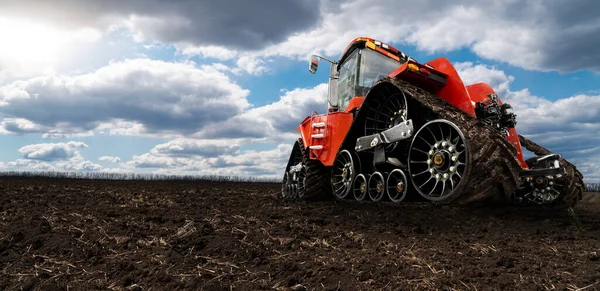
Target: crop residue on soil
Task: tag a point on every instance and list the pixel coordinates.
(173, 235)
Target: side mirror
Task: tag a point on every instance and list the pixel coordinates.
(314, 64)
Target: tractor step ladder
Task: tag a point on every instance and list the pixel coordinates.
(319, 132)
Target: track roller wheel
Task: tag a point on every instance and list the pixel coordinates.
(360, 187)
(342, 174)
(438, 158)
(376, 187)
(396, 185)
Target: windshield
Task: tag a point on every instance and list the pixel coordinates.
(356, 79)
(373, 67)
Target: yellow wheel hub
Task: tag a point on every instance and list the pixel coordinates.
(438, 159)
(400, 187)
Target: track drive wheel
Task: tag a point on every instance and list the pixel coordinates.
(438, 158)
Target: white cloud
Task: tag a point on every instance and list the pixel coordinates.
(276, 121)
(238, 24)
(245, 62)
(120, 126)
(250, 163)
(32, 48)
(21, 126)
(14, 126)
(26, 165)
(148, 160)
(216, 52)
(52, 157)
(114, 160)
(217, 151)
(78, 165)
(251, 65)
(117, 170)
(130, 97)
(590, 168)
(51, 151)
(58, 133)
(196, 147)
(536, 114)
(528, 34)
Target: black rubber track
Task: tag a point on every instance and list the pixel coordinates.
(317, 185)
(574, 186)
(493, 169)
(294, 159)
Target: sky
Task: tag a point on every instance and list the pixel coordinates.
(218, 87)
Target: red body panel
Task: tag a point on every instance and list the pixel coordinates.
(454, 92)
(355, 103)
(418, 78)
(337, 125)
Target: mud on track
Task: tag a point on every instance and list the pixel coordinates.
(134, 235)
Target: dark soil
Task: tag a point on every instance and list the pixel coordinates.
(134, 235)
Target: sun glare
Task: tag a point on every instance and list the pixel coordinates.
(27, 42)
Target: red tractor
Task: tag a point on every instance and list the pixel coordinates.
(396, 128)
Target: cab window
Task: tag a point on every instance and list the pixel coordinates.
(347, 80)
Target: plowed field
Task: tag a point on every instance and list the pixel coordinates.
(169, 235)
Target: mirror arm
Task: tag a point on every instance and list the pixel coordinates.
(326, 59)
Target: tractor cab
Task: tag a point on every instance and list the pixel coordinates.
(363, 63)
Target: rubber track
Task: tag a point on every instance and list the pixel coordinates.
(317, 177)
(493, 169)
(574, 186)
